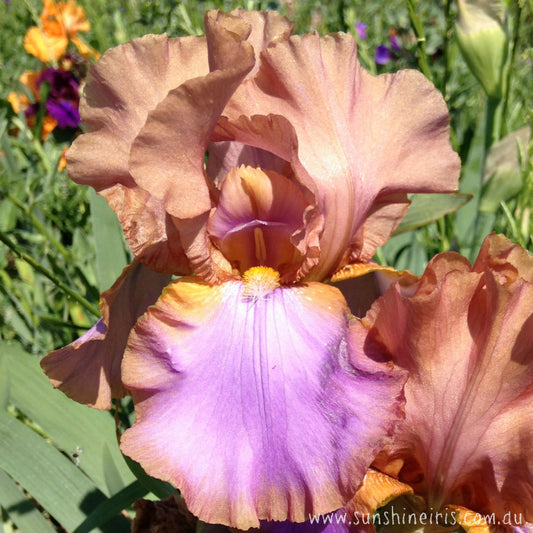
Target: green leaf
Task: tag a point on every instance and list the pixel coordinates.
(69, 424)
(502, 175)
(160, 488)
(45, 473)
(405, 252)
(465, 220)
(21, 509)
(426, 208)
(111, 256)
(111, 507)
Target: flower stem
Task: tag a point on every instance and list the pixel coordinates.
(418, 28)
(509, 67)
(26, 210)
(45, 272)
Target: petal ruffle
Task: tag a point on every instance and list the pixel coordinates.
(257, 408)
(466, 337)
(361, 138)
(185, 118)
(121, 89)
(88, 370)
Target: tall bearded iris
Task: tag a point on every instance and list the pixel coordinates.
(256, 391)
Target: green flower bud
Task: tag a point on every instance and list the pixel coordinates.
(483, 41)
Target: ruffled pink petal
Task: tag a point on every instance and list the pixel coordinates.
(225, 155)
(361, 138)
(88, 370)
(265, 28)
(257, 406)
(167, 157)
(466, 336)
(121, 89)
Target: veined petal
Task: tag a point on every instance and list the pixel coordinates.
(121, 89)
(361, 138)
(258, 213)
(88, 370)
(466, 337)
(257, 406)
(275, 135)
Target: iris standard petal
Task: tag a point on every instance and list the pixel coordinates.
(121, 88)
(88, 370)
(257, 405)
(466, 337)
(275, 135)
(257, 214)
(361, 138)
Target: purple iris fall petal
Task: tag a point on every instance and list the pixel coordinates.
(361, 29)
(275, 392)
(382, 55)
(66, 113)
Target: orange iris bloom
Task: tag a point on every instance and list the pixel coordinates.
(60, 23)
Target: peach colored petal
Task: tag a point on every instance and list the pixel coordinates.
(121, 89)
(88, 370)
(225, 155)
(261, 30)
(361, 138)
(45, 47)
(275, 135)
(466, 336)
(257, 214)
(167, 156)
(170, 148)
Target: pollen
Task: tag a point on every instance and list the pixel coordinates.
(260, 281)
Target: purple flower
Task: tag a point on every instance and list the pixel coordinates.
(360, 28)
(65, 112)
(63, 98)
(382, 55)
(395, 43)
(63, 83)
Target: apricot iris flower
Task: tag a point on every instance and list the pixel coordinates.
(463, 455)
(256, 391)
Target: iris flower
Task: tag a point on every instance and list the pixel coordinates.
(60, 24)
(464, 453)
(61, 103)
(256, 392)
